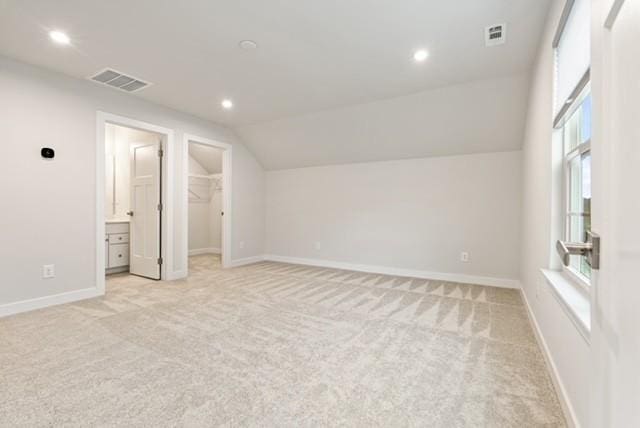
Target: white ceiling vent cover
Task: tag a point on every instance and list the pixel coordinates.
(118, 80)
(495, 34)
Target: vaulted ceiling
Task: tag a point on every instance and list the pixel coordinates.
(313, 57)
(210, 158)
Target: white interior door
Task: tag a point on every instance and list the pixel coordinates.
(615, 309)
(145, 210)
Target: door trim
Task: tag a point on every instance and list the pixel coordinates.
(613, 14)
(226, 197)
(167, 229)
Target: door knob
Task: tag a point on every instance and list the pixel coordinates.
(589, 249)
(130, 213)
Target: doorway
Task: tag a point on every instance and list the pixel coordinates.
(207, 204)
(133, 201)
(133, 183)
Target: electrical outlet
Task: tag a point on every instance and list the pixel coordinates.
(48, 271)
(318, 245)
(241, 244)
(464, 257)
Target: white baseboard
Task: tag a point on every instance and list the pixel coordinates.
(43, 302)
(567, 408)
(110, 271)
(176, 274)
(199, 251)
(452, 277)
(245, 261)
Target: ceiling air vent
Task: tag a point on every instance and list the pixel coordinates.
(118, 80)
(495, 34)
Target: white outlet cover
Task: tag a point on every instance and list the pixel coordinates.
(318, 245)
(48, 271)
(241, 244)
(464, 256)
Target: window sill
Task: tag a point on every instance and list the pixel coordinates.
(573, 300)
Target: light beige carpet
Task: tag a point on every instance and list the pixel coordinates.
(277, 345)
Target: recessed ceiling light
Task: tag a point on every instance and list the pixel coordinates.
(248, 45)
(420, 55)
(227, 104)
(59, 37)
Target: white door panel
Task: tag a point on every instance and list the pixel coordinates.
(615, 326)
(145, 221)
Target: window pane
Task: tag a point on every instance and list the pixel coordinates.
(586, 181)
(571, 132)
(579, 216)
(576, 131)
(585, 129)
(584, 268)
(577, 127)
(575, 185)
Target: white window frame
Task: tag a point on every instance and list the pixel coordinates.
(565, 110)
(578, 97)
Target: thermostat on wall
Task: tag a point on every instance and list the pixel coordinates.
(47, 153)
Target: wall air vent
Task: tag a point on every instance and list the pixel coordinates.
(118, 80)
(495, 34)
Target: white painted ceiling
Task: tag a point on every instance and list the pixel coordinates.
(313, 55)
(208, 157)
(325, 77)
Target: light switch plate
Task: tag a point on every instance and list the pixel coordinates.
(48, 271)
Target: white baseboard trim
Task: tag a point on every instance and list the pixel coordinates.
(110, 271)
(43, 302)
(199, 251)
(384, 270)
(246, 261)
(176, 274)
(565, 403)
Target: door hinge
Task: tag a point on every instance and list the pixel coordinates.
(159, 260)
(160, 207)
(160, 153)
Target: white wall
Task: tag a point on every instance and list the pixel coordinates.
(569, 351)
(414, 214)
(52, 216)
(205, 224)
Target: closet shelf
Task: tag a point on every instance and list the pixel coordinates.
(203, 186)
(208, 177)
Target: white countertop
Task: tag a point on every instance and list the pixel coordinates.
(126, 220)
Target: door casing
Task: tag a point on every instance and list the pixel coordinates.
(168, 177)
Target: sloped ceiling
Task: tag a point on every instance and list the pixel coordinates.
(208, 157)
(477, 117)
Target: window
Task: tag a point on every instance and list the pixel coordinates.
(575, 129)
(573, 124)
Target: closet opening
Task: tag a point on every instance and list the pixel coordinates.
(207, 167)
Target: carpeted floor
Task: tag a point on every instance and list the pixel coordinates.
(277, 345)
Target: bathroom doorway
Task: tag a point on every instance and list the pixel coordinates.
(134, 187)
(133, 201)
